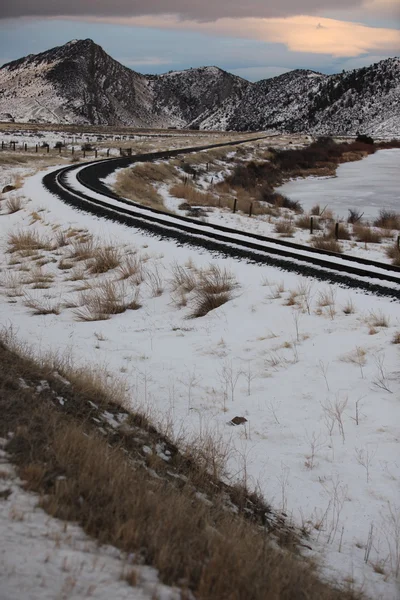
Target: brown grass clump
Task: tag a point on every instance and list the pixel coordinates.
(131, 267)
(201, 547)
(104, 259)
(393, 252)
(323, 243)
(103, 301)
(41, 306)
(367, 235)
(214, 288)
(26, 242)
(388, 219)
(396, 338)
(343, 232)
(304, 222)
(14, 204)
(284, 227)
(82, 250)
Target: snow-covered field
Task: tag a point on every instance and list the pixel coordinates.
(311, 366)
(42, 558)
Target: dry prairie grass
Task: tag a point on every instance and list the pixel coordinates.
(366, 234)
(343, 232)
(41, 305)
(323, 243)
(284, 227)
(393, 252)
(138, 183)
(193, 196)
(105, 258)
(132, 266)
(27, 242)
(107, 299)
(304, 222)
(14, 204)
(388, 219)
(198, 546)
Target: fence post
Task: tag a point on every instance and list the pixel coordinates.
(72, 150)
(108, 152)
(234, 205)
(13, 146)
(95, 153)
(36, 148)
(26, 147)
(337, 231)
(84, 153)
(398, 242)
(250, 209)
(311, 225)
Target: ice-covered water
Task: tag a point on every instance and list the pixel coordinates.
(366, 185)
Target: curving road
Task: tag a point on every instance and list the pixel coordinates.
(81, 186)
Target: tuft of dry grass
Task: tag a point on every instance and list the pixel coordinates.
(27, 242)
(42, 305)
(396, 338)
(214, 288)
(304, 222)
(323, 243)
(105, 300)
(377, 319)
(193, 196)
(104, 259)
(366, 234)
(388, 219)
(284, 227)
(14, 204)
(393, 252)
(131, 267)
(343, 232)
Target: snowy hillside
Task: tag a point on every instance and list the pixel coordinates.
(80, 83)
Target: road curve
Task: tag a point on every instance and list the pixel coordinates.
(81, 187)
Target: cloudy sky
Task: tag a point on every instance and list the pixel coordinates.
(251, 38)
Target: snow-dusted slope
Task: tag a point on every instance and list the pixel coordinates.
(75, 83)
(193, 97)
(80, 83)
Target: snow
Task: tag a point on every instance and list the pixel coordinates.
(42, 558)
(284, 368)
(367, 185)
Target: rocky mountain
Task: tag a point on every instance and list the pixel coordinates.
(80, 83)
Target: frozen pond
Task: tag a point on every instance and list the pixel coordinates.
(366, 185)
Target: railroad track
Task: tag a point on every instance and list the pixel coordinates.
(82, 187)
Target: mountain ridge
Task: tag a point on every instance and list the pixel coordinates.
(80, 83)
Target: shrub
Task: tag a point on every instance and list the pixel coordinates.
(355, 216)
(343, 232)
(27, 241)
(393, 252)
(367, 235)
(105, 259)
(388, 219)
(329, 244)
(284, 227)
(365, 139)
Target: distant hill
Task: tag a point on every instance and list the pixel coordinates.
(80, 83)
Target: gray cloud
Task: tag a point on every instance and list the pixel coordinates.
(201, 10)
